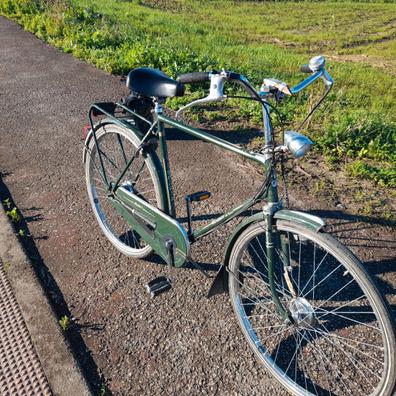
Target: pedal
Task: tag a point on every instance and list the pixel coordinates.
(196, 197)
(158, 285)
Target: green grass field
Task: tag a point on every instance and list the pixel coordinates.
(355, 129)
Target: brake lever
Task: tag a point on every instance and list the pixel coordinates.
(215, 93)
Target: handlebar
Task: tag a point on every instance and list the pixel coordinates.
(195, 77)
(305, 69)
(323, 74)
(316, 68)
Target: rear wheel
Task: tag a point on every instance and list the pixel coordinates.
(118, 145)
(341, 340)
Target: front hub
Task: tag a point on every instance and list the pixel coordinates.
(303, 313)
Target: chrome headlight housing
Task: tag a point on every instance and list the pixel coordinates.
(297, 143)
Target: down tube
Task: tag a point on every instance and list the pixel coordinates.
(201, 232)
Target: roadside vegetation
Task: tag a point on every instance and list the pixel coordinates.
(356, 127)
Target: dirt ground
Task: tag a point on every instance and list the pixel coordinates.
(181, 343)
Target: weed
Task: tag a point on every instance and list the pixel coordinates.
(64, 323)
(7, 203)
(319, 186)
(382, 175)
(21, 233)
(367, 209)
(14, 215)
(359, 195)
(102, 390)
(6, 265)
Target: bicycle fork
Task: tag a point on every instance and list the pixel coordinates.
(271, 240)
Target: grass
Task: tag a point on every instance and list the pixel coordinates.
(355, 129)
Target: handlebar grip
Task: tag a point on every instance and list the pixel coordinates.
(195, 77)
(305, 69)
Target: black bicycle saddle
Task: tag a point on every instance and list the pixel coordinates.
(152, 82)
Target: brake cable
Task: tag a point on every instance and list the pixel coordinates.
(313, 109)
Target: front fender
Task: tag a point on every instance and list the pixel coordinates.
(310, 221)
(220, 282)
(245, 223)
(305, 219)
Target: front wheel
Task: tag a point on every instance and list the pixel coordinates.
(340, 339)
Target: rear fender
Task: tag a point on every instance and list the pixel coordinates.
(159, 174)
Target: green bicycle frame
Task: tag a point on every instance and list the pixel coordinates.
(206, 137)
(269, 194)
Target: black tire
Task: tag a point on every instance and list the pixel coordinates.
(118, 145)
(340, 341)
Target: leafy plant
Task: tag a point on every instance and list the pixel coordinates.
(102, 390)
(14, 215)
(7, 203)
(64, 323)
(6, 265)
(384, 176)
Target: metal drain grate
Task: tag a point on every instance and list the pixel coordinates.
(20, 369)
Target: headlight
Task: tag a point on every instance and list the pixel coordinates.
(297, 143)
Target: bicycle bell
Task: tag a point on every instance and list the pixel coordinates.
(297, 143)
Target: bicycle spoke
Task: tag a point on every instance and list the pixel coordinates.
(341, 339)
(261, 306)
(326, 336)
(317, 268)
(323, 280)
(360, 323)
(267, 279)
(343, 305)
(330, 363)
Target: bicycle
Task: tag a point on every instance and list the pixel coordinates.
(305, 304)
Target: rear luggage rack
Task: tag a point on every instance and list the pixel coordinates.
(117, 112)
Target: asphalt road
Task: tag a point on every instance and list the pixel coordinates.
(178, 344)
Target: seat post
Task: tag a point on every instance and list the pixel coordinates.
(158, 105)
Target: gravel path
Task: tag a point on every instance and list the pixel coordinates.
(180, 343)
